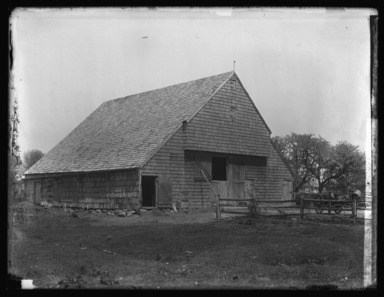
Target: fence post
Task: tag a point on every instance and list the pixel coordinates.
(353, 208)
(218, 214)
(301, 207)
(252, 208)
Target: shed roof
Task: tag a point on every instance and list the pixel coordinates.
(123, 133)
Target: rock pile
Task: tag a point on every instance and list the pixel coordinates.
(109, 212)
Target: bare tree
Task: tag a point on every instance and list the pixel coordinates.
(31, 157)
(313, 157)
(348, 163)
(301, 152)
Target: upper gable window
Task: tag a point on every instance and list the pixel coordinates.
(232, 84)
(232, 112)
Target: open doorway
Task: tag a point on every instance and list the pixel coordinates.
(148, 190)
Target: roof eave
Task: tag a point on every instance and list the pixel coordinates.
(37, 175)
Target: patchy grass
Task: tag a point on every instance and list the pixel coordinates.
(180, 250)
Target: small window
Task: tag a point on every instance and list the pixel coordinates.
(219, 168)
(232, 112)
(232, 83)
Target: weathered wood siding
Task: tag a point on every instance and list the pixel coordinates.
(168, 165)
(178, 173)
(276, 175)
(227, 124)
(107, 190)
(29, 187)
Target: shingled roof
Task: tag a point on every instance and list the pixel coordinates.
(123, 133)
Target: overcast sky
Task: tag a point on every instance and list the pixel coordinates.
(307, 70)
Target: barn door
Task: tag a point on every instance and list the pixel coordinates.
(165, 191)
(236, 181)
(37, 192)
(231, 185)
(220, 176)
(222, 189)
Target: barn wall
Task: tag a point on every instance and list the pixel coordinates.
(188, 185)
(258, 176)
(109, 190)
(29, 186)
(276, 175)
(177, 174)
(243, 172)
(200, 191)
(168, 165)
(227, 124)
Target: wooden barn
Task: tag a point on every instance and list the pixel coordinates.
(170, 145)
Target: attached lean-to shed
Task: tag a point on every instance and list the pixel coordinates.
(170, 145)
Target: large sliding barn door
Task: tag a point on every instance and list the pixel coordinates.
(236, 181)
(233, 187)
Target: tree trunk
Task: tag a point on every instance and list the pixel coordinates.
(300, 184)
(321, 186)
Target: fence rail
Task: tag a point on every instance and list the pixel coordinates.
(304, 203)
(328, 205)
(254, 203)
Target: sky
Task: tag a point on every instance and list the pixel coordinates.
(307, 70)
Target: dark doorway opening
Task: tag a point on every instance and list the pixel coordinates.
(219, 168)
(148, 190)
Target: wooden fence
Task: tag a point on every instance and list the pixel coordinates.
(331, 205)
(302, 204)
(251, 204)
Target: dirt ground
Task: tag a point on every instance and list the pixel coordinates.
(58, 248)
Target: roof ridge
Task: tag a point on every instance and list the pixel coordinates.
(185, 82)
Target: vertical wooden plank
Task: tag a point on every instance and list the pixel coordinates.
(285, 190)
(222, 189)
(165, 190)
(218, 211)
